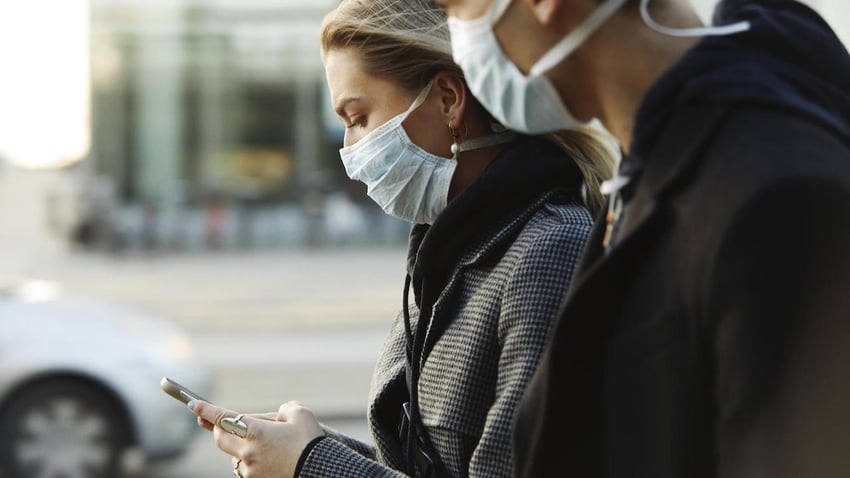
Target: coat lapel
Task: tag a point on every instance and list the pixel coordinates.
(672, 160)
(591, 310)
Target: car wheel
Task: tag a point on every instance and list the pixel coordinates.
(63, 428)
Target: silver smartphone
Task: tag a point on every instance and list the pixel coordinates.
(178, 391)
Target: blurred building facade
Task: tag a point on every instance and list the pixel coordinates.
(210, 128)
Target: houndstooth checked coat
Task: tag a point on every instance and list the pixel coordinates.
(498, 262)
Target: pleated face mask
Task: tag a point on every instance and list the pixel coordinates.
(404, 179)
(530, 103)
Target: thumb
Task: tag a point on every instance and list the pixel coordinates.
(292, 411)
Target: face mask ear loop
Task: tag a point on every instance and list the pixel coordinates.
(690, 32)
(423, 95)
(575, 38)
(482, 142)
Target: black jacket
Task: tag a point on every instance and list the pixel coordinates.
(713, 337)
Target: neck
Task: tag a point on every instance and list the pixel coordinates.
(470, 165)
(619, 64)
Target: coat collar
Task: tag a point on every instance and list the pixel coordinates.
(514, 182)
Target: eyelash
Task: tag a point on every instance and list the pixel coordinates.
(359, 121)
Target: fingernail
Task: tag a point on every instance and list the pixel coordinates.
(191, 405)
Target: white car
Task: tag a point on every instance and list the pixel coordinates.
(79, 386)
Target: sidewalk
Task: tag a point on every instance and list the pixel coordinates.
(329, 372)
(250, 292)
(263, 291)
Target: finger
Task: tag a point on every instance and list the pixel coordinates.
(290, 411)
(301, 416)
(268, 416)
(230, 443)
(227, 442)
(210, 412)
(249, 422)
(205, 424)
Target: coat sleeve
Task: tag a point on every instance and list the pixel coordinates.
(530, 302)
(779, 311)
(330, 458)
(360, 447)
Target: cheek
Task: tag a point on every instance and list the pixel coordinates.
(351, 136)
(430, 134)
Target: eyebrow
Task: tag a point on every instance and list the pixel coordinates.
(340, 110)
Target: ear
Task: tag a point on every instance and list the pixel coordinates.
(452, 94)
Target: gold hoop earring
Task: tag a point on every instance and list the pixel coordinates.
(457, 137)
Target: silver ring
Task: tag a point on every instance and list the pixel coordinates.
(235, 426)
(236, 468)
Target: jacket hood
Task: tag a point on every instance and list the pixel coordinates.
(790, 59)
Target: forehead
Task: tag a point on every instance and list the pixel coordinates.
(343, 70)
(464, 9)
(347, 78)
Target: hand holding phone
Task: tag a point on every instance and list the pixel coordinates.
(232, 425)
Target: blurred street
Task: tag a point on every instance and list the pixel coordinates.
(263, 292)
(271, 325)
(302, 325)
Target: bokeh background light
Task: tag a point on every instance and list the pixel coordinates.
(44, 82)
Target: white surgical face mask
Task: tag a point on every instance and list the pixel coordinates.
(404, 179)
(531, 104)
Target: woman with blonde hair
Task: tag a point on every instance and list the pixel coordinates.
(500, 220)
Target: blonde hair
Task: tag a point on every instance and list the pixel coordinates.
(407, 41)
(595, 154)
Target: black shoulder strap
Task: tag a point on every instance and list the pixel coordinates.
(421, 454)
